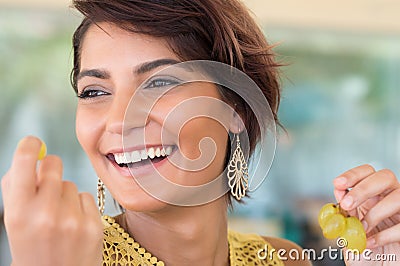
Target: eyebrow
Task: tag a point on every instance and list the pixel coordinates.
(141, 69)
(96, 73)
(148, 66)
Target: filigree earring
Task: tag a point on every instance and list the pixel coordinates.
(238, 175)
(101, 195)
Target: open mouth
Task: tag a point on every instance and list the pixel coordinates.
(141, 158)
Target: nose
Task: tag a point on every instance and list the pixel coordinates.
(125, 114)
(115, 118)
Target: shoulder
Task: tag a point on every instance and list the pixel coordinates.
(283, 247)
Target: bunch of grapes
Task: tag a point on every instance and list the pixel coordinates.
(335, 222)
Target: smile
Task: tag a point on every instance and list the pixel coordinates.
(142, 157)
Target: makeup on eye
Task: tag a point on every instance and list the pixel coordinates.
(163, 81)
(153, 82)
(92, 92)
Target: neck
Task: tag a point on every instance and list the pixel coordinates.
(183, 235)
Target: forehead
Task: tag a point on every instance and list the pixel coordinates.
(107, 42)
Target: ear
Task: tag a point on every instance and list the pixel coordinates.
(236, 125)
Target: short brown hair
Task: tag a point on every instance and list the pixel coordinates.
(216, 30)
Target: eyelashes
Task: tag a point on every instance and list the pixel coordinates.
(161, 83)
(92, 92)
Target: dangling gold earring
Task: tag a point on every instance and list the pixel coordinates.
(101, 195)
(238, 173)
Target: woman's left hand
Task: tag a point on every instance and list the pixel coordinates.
(375, 199)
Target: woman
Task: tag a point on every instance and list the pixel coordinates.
(120, 49)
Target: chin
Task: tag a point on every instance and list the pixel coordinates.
(140, 201)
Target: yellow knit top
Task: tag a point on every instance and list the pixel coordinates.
(122, 250)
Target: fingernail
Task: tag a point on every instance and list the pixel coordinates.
(341, 181)
(21, 142)
(347, 202)
(365, 225)
(371, 243)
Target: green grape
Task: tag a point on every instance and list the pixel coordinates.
(43, 151)
(355, 235)
(334, 226)
(326, 211)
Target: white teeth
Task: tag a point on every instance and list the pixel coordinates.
(127, 157)
(137, 156)
(168, 150)
(150, 152)
(118, 158)
(143, 154)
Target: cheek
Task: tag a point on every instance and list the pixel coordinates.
(211, 132)
(200, 126)
(203, 140)
(87, 130)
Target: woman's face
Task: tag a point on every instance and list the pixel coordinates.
(114, 63)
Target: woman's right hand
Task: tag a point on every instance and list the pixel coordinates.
(47, 221)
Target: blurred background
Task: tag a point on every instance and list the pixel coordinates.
(340, 105)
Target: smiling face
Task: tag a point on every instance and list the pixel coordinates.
(114, 63)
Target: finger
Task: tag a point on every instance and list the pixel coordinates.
(5, 184)
(70, 196)
(349, 179)
(387, 207)
(385, 237)
(379, 183)
(339, 194)
(89, 205)
(353, 176)
(50, 177)
(23, 169)
(94, 225)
